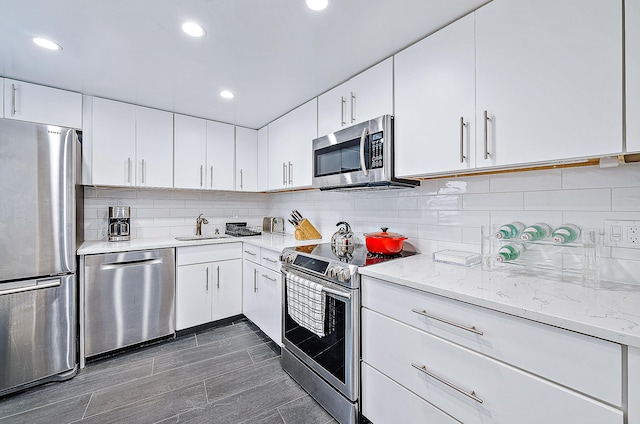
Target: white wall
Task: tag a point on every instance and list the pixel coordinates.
(441, 214)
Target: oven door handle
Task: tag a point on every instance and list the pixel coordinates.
(363, 164)
(337, 293)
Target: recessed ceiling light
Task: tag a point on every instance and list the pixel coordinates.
(317, 4)
(226, 94)
(193, 29)
(47, 44)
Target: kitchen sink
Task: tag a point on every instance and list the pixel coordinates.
(204, 237)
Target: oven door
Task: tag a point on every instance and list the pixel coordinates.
(335, 356)
(354, 155)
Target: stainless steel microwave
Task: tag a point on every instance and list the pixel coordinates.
(357, 157)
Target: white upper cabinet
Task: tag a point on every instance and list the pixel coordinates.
(365, 96)
(632, 42)
(263, 159)
(127, 145)
(435, 102)
(109, 142)
(246, 159)
(220, 156)
(36, 103)
(154, 148)
(290, 147)
(189, 154)
(549, 80)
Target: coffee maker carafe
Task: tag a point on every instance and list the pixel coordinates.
(119, 223)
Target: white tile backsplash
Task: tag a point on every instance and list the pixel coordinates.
(441, 214)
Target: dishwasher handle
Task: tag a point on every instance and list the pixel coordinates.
(127, 264)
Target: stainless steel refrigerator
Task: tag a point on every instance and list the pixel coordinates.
(38, 165)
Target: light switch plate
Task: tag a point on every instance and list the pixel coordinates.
(622, 233)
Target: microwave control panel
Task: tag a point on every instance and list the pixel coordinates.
(376, 141)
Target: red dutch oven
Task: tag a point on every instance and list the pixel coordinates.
(384, 243)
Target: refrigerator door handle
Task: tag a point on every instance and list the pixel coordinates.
(43, 284)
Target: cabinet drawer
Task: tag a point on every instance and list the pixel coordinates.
(270, 259)
(584, 363)
(385, 401)
(467, 385)
(208, 253)
(251, 253)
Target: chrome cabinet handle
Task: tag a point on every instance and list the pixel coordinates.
(143, 172)
(343, 111)
(250, 252)
(462, 127)
(353, 107)
(241, 179)
(129, 170)
(269, 278)
(218, 278)
(446, 321)
(275, 261)
(255, 280)
(201, 168)
(14, 107)
(486, 134)
(290, 173)
(207, 278)
(472, 394)
(284, 173)
(363, 165)
(211, 176)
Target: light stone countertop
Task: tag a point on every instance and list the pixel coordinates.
(609, 311)
(267, 240)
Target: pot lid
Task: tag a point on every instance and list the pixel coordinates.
(384, 234)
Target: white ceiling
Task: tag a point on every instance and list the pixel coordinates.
(273, 54)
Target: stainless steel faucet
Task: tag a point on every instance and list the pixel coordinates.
(199, 221)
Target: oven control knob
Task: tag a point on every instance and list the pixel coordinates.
(344, 275)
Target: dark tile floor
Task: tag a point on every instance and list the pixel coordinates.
(229, 374)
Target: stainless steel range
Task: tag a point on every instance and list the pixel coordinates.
(321, 325)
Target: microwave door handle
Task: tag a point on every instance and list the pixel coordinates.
(363, 165)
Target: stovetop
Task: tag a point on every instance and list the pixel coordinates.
(356, 255)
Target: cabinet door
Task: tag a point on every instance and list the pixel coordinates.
(371, 93)
(278, 155)
(220, 155)
(226, 298)
(301, 129)
(263, 159)
(632, 43)
(250, 277)
(333, 109)
(246, 159)
(270, 303)
(36, 103)
(435, 102)
(193, 295)
(634, 385)
(549, 76)
(154, 148)
(114, 143)
(190, 146)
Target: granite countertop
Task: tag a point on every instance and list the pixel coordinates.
(272, 241)
(609, 311)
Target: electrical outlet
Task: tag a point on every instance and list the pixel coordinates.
(622, 233)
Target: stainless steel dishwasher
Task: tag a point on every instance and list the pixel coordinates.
(129, 298)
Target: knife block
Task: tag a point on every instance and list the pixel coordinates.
(306, 231)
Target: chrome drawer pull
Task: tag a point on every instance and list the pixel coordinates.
(472, 394)
(446, 321)
(269, 278)
(249, 252)
(270, 260)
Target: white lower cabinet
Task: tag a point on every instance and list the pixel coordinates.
(208, 283)
(262, 290)
(389, 402)
(467, 385)
(634, 386)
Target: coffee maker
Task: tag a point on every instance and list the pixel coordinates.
(119, 223)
